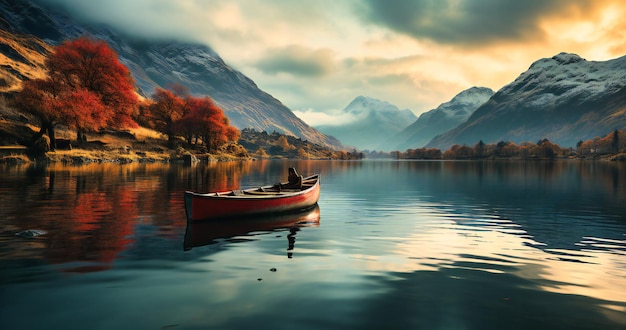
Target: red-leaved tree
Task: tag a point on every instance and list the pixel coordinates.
(87, 88)
(204, 120)
(166, 109)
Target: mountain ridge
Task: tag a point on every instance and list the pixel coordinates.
(564, 99)
(446, 116)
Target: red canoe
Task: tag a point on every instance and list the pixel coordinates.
(255, 201)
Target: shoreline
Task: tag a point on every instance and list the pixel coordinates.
(83, 157)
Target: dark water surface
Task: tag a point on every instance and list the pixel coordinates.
(393, 244)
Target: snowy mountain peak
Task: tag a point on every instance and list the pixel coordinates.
(558, 79)
(463, 104)
(472, 97)
(557, 60)
(363, 105)
(567, 58)
(564, 98)
(372, 121)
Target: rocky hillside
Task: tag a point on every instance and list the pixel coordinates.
(22, 57)
(440, 120)
(373, 121)
(158, 64)
(564, 99)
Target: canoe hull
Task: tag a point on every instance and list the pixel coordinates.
(222, 205)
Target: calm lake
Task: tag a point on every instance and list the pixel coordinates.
(393, 244)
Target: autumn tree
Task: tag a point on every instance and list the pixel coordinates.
(611, 143)
(283, 144)
(33, 99)
(167, 109)
(261, 153)
(547, 149)
(458, 152)
(527, 150)
(204, 120)
(303, 154)
(509, 150)
(87, 88)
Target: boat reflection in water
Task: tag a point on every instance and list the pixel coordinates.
(200, 233)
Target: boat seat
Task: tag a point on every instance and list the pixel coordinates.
(236, 193)
(262, 193)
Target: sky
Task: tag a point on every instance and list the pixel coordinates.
(317, 56)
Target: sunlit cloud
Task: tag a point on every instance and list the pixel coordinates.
(317, 56)
(297, 60)
(468, 23)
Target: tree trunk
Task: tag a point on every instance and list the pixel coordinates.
(53, 142)
(80, 135)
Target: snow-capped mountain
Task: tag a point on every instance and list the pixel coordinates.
(373, 121)
(160, 63)
(564, 99)
(445, 117)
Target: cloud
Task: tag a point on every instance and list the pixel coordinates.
(297, 60)
(316, 56)
(466, 22)
(318, 118)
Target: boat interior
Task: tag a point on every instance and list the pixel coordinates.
(277, 189)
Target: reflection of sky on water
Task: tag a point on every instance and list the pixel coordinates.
(501, 246)
(408, 244)
(559, 227)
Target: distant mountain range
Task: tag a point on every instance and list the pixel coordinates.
(373, 122)
(564, 99)
(159, 64)
(438, 121)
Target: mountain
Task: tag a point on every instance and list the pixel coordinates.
(22, 57)
(564, 99)
(161, 63)
(440, 120)
(373, 121)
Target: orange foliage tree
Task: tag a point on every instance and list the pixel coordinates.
(204, 120)
(176, 113)
(458, 152)
(87, 88)
(167, 109)
(198, 120)
(612, 143)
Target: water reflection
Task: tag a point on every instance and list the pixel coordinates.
(207, 232)
(90, 212)
(412, 244)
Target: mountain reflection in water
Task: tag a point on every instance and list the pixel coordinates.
(402, 244)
